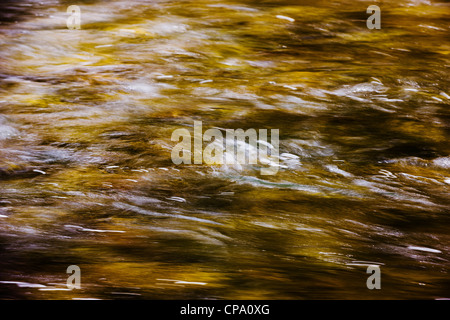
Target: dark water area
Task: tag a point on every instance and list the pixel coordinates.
(87, 179)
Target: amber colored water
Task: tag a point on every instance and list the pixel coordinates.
(86, 176)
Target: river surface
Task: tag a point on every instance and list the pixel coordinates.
(86, 176)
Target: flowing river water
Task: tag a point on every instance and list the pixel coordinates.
(86, 176)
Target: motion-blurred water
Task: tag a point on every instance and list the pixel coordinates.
(86, 176)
